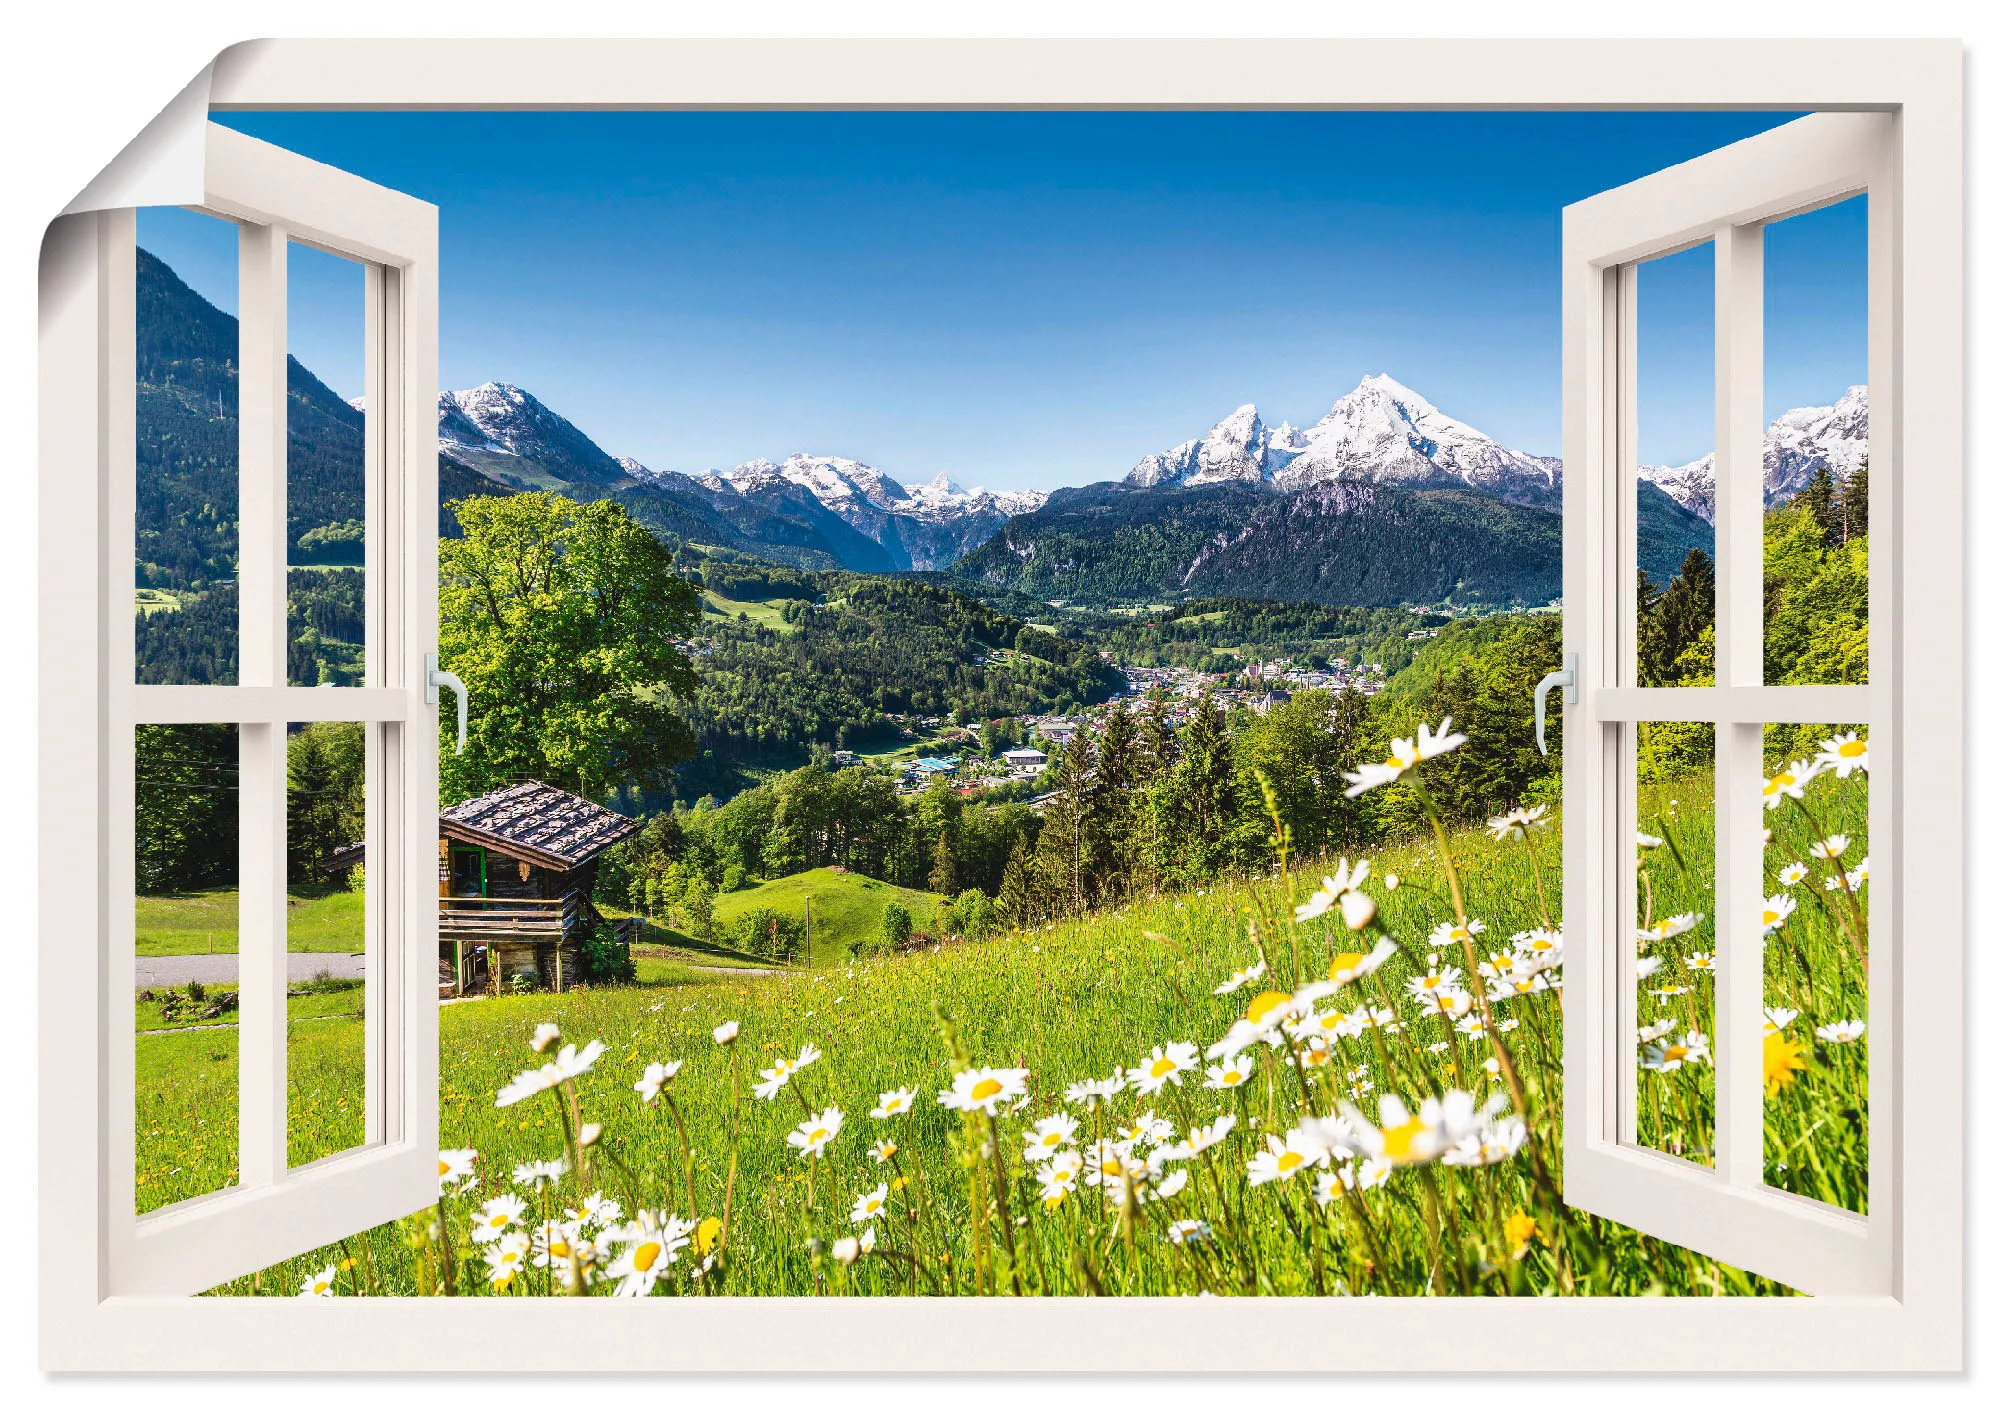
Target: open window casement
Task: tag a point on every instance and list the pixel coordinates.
(1718, 1202)
(274, 1207)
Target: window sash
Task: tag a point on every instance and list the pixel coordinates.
(1728, 195)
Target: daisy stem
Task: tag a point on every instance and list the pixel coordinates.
(1000, 1199)
(735, 1141)
(687, 1154)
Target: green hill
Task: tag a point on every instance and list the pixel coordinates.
(846, 906)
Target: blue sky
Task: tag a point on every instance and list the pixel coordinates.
(1030, 299)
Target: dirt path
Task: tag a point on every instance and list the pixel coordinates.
(173, 970)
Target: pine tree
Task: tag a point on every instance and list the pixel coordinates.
(1818, 497)
(1853, 505)
(1018, 903)
(944, 865)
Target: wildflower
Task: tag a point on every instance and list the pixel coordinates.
(567, 1066)
(505, 1258)
(545, 1034)
(726, 1034)
(1784, 1059)
(1404, 1138)
(1671, 1054)
(1404, 754)
(1298, 1151)
(1519, 1230)
(319, 1283)
(545, 1171)
(496, 1216)
(1332, 888)
(1499, 1140)
(589, 1133)
(1672, 990)
(1513, 826)
(1242, 976)
(1231, 1073)
(1058, 1176)
(882, 1151)
(847, 1251)
(1436, 980)
(1451, 1003)
(1201, 1138)
(1777, 908)
(1832, 848)
(1702, 961)
(1084, 1093)
(1647, 841)
(1357, 910)
(1778, 1019)
(815, 1133)
(557, 1241)
(647, 1248)
(1163, 1067)
(1793, 873)
(1149, 1127)
(1106, 1161)
(983, 1088)
(1673, 927)
(454, 1165)
(1497, 966)
(1048, 1135)
(779, 1073)
(1645, 968)
(1539, 949)
(871, 1205)
(1449, 933)
(1843, 753)
(1847, 1031)
(1856, 878)
(1187, 1230)
(600, 1210)
(654, 1079)
(892, 1103)
(1789, 781)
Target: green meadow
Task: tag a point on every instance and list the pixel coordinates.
(204, 922)
(1081, 1000)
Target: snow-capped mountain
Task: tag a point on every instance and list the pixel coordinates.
(1379, 433)
(924, 528)
(1796, 445)
(854, 512)
(501, 430)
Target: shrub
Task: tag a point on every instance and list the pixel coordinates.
(895, 925)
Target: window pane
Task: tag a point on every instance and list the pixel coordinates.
(326, 475)
(184, 573)
(326, 939)
(185, 868)
(1816, 962)
(1816, 447)
(1674, 400)
(1675, 989)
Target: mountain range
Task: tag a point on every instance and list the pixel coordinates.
(1796, 446)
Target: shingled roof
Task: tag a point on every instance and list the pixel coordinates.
(536, 823)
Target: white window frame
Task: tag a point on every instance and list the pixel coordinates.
(1916, 1323)
(1726, 197)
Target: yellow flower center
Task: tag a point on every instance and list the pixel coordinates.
(986, 1090)
(1399, 1142)
(1162, 1066)
(1770, 917)
(1345, 964)
(1289, 1161)
(1263, 1003)
(1675, 1052)
(1853, 748)
(1113, 1168)
(1231, 1077)
(644, 1256)
(443, 1169)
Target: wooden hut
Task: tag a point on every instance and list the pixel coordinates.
(516, 868)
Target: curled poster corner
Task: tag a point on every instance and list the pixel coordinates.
(164, 165)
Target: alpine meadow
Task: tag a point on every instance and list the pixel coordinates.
(1145, 884)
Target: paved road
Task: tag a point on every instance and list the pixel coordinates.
(165, 970)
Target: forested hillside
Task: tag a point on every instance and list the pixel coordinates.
(1217, 633)
(840, 652)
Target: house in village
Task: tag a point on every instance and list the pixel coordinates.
(1025, 762)
(516, 868)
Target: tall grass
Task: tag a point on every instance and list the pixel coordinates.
(703, 1184)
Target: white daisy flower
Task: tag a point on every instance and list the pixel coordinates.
(1793, 873)
(1833, 848)
(1084, 1093)
(1163, 1067)
(319, 1283)
(1847, 1031)
(870, 1205)
(1843, 753)
(726, 1034)
(1778, 1019)
(815, 1133)
(496, 1216)
(1450, 933)
(1702, 961)
(882, 1151)
(537, 1172)
(1240, 977)
(654, 1079)
(1789, 781)
(1283, 1158)
(453, 1166)
(1187, 1230)
(1513, 826)
(894, 1103)
(1343, 881)
(1777, 909)
(1048, 1135)
(1647, 841)
(646, 1249)
(1231, 1073)
(506, 1258)
(1671, 1054)
(984, 1088)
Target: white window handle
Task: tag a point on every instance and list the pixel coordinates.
(433, 678)
(1566, 677)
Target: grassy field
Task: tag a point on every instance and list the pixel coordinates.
(846, 907)
(1084, 1000)
(770, 613)
(205, 923)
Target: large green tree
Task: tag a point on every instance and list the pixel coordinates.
(564, 620)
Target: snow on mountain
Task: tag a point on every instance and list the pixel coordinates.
(500, 429)
(1796, 445)
(1379, 433)
(851, 488)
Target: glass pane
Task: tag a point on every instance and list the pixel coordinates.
(1674, 401)
(184, 573)
(1676, 939)
(326, 478)
(1816, 962)
(185, 868)
(1816, 447)
(326, 936)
